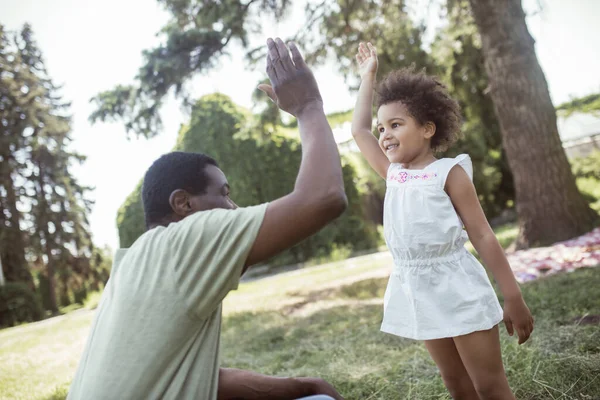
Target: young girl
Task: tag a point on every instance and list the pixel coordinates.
(438, 292)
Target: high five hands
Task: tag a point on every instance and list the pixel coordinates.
(293, 86)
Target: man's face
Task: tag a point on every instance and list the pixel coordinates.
(217, 192)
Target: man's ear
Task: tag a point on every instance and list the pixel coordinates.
(428, 130)
(180, 203)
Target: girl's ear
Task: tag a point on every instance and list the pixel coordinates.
(428, 130)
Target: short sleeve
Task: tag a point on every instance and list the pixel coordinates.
(463, 160)
(210, 249)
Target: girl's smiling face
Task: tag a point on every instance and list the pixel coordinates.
(401, 137)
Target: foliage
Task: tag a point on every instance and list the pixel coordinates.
(343, 25)
(587, 104)
(197, 35)
(455, 56)
(259, 169)
(18, 304)
(459, 63)
(590, 190)
(339, 118)
(92, 300)
(587, 173)
(587, 167)
(370, 186)
(130, 218)
(44, 229)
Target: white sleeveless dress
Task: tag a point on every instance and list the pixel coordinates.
(437, 289)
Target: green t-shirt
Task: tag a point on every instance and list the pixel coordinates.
(157, 327)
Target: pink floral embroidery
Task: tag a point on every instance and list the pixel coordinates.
(404, 176)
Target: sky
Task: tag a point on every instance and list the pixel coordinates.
(90, 46)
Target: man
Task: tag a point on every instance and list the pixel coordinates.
(156, 332)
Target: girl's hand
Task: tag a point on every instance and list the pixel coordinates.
(517, 316)
(367, 60)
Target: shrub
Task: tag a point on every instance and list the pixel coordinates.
(587, 174)
(587, 167)
(92, 300)
(18, 304)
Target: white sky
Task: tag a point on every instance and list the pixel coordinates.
(90, 46)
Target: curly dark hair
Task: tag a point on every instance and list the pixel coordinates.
(427, 100)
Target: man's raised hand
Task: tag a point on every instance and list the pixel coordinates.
(293, 87)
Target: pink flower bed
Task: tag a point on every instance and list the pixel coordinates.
(581, 252)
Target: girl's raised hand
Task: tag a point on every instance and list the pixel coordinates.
(366, 59)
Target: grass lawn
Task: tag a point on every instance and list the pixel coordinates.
(324, 321)
(333, 332)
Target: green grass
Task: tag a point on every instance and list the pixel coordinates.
(334, 332)
(590, 188)
(324, 321)
(37, 361)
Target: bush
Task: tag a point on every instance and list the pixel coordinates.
(587, 167)
(92, 300)
(18, 304)
(587, 175)
(590, 189)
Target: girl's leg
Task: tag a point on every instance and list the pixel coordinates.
(482, 358)
(454, 374)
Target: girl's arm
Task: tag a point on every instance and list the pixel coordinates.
(363, 118)
(464, 198)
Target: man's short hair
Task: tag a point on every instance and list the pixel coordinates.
(173, 171)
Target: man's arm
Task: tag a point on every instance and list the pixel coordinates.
(238, 384)
(318, 196)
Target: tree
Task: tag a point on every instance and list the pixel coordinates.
(386, 24)
(455, 56)
(458, 61)
(197, 35)
(44, 214)
(549, 205)
(13, 117)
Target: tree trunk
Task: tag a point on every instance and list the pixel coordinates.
(42, 225)
(549, 205)
(51, 279)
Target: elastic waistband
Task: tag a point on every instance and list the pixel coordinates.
(421, 262)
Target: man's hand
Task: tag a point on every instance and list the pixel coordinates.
(294, 87)
(248, 385)
(321, 386)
